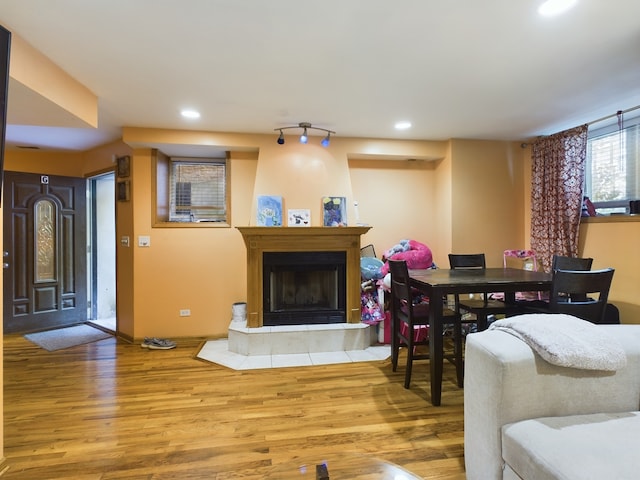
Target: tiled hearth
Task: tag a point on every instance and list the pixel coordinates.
(251, 344)
(294, 345)
(334, 337)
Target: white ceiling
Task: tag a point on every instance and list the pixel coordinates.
(491, 69)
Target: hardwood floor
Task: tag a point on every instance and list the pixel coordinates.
(111, 410)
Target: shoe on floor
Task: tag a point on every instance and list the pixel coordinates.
(157, 343)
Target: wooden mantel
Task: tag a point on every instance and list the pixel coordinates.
(301, 239)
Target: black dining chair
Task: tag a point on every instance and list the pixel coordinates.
(410, 325)
(562, 262)
(583, 294)
(558, 262)
(480, 308)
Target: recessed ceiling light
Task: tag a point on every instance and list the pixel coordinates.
(555, 7)
(190, 114)
(402, 125)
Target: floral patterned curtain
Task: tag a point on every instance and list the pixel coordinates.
(558, 165)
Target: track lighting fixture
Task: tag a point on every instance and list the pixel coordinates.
(304, 138)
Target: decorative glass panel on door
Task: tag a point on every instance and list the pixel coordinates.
(45, 241)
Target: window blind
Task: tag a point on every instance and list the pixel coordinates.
(198, 191)
(613, 166)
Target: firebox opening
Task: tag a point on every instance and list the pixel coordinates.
(304, 287)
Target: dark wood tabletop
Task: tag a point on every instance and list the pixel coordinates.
(482, 280)
(437, 283)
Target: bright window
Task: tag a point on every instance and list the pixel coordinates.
(198, 190)
(612, 176)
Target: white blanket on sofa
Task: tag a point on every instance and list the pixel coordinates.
(566, 340)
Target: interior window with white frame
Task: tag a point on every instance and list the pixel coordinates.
(197, 190)
(612, 175)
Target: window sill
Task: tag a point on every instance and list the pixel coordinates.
(191, 225)
(611, 218)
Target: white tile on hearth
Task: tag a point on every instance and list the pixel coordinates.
(291, 360)
(290, 328)
(290, 342)
(213, 346)
(370, 354)
(326, 358)
(255, 362)
(212, 352)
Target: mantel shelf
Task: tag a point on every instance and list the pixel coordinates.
(303, 231)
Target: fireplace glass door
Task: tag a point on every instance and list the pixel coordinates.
(304, 288)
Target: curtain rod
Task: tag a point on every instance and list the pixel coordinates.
(607, 117)
(614, 115)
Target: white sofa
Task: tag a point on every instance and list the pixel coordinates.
(527, 419)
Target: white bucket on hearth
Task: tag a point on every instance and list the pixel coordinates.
(239, 312)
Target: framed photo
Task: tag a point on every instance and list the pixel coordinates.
(269, 212)
(122, 191)
(124, 166)
(334, 211)
(297, 217)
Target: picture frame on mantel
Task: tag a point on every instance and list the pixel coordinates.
(299, 217)
(334, 211)
(123, 166)
(269, 211)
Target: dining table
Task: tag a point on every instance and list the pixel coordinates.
(436, 284)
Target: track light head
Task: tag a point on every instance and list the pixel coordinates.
(304, 138)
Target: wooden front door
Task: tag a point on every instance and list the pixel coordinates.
(44, 254)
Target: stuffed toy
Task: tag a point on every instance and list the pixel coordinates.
(416, 254)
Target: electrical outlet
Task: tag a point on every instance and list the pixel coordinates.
(144, 241)
(185, 312)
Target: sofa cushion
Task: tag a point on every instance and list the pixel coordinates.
(576, 447)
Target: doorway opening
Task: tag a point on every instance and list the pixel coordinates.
(101, 251)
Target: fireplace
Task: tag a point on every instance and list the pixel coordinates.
(321, 242)
(303, 288)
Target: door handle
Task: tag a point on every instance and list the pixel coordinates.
(5, 265)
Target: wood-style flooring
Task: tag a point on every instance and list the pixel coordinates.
(112, 410)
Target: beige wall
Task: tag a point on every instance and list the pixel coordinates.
(487, 208)
(397, 198)
(614, 244)
(461, 195)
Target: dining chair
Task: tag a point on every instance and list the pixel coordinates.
(410, 324)
(562, 262)
(558, 262)
(368, 251)
(484, 306)
(526, 259)
(581, 293)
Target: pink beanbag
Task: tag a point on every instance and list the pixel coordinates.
(418, 256)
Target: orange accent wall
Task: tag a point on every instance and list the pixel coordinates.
(486, 202)
(614, 244)
(459, 195)
(398, 199)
